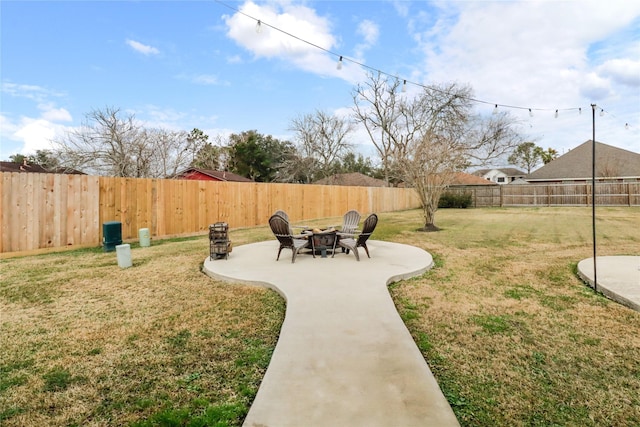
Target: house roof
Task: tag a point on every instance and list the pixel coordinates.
(611, 162)
(219, 175)
(506, 171)
(462, 178)
(354, 179)
(34, 168)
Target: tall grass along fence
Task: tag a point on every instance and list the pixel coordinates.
(53, 210)
(607, 194)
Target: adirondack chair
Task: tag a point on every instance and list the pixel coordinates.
(284, 215)
(350, 222)
(351, 241)
(281, 229)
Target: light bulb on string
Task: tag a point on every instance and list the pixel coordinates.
(495, 109)
(626, 126)
(556, 115)
(404, 87)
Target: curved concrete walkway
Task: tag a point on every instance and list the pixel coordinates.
(618, 278)
(344, 357)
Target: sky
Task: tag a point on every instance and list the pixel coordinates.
(180, 65)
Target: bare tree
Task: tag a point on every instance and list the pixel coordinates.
(323, 138)
(212, 156)
(376, 107)
(172, 151)
(427, 139)
(110, 143)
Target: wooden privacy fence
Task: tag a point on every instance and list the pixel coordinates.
(607, 194)
(54, 210)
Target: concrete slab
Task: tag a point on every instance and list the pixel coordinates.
(618, 278)
(344, 357)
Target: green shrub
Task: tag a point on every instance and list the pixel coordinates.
(455, 200)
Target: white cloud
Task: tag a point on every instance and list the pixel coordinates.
(595, 87)
(33, 92)
(369, 32)
(206, 79)
(53, 114)
(533, 54)
(297, 20)
(33, 133)
(142, 48)
(624, 71)
(203, 79)
(27, 134)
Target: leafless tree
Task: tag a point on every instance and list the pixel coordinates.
(376, 107)
(425, 140)
(323, 138)
(113, 144)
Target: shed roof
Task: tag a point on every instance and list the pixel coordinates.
(34, 168)
(219, 175)
(354, 179)
(462, 178)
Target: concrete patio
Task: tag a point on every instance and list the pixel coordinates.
(344, 357)
(618, 278)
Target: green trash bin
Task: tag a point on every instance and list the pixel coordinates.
(111, 235)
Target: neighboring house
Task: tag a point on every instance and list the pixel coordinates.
(612, 165)
(209, 175)
(33, 168)
(501, 176)
(466, 179)
(354, 179)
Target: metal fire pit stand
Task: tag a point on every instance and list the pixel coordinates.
(219, 243)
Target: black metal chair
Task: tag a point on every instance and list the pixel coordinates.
(281, 229)
(351, 241)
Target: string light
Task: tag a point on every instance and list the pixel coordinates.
(626, 126)
(259, 25)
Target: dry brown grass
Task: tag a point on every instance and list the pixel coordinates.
(514, 338)
(85, 342)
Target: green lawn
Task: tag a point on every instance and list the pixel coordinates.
(512, 336)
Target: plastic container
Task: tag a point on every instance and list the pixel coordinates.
(123, 252)
(111, 235)
(145, 237)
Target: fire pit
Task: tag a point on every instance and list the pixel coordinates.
(321, 240)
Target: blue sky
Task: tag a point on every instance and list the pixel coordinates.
(185, 64)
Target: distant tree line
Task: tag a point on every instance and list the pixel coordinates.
(110, 142)
(422, 140)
